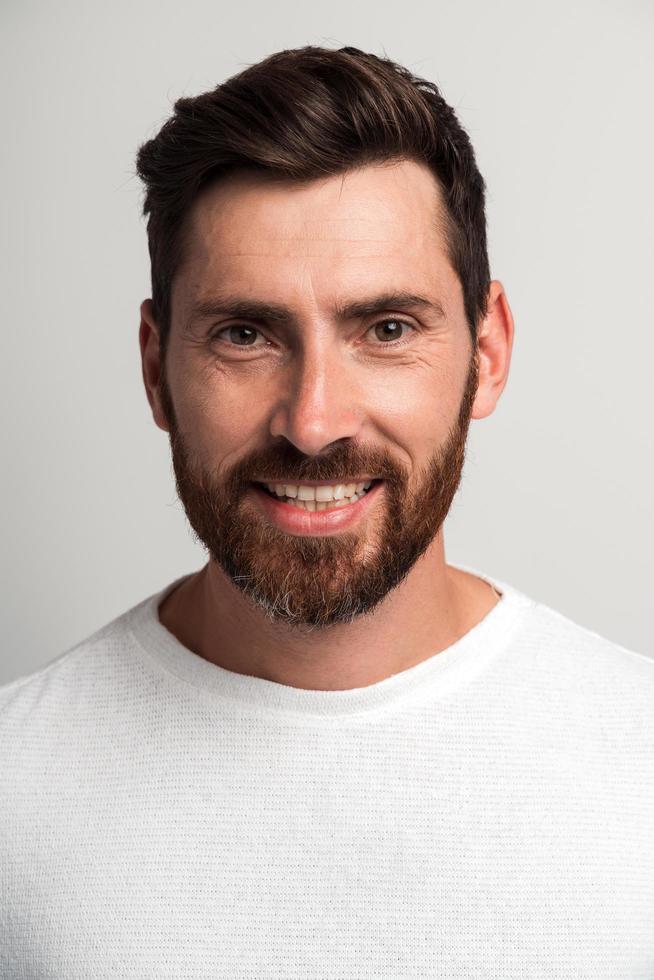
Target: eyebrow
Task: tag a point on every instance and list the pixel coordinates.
(249, 309)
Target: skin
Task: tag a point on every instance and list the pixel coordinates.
(314, 387)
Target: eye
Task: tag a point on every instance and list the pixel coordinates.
(240, 335)
(389, 331)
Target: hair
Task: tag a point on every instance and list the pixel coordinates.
(303, 114)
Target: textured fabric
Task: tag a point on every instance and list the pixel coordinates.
(488, 813)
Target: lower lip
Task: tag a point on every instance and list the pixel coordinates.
(295, 521)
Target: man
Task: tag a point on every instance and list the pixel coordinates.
(328, 753)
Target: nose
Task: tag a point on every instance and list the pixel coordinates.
(319, 402)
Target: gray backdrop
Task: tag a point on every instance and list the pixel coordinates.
(557, 98)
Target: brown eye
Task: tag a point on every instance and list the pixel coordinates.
(242, 333)
(390, 330)
(238, 334)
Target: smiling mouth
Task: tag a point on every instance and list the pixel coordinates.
(317, 498)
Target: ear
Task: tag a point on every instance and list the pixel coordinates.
(151, 364)
(494, 344)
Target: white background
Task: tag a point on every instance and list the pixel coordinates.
(557, 99)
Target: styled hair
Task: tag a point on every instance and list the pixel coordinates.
(307, 113)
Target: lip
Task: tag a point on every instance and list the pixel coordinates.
(304, 522)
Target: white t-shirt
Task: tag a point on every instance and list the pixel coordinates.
(487, 813)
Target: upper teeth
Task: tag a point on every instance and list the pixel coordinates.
(336, 491)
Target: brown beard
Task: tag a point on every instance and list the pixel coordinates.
(314, 582)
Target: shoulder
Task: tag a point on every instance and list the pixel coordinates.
(53, 691)
(573, 670)
(89, 672)
(545, 639)
(552, 631)
(542, 637)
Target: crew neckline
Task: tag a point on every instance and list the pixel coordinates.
(437, 675)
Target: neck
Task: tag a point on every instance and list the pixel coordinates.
(432, 608)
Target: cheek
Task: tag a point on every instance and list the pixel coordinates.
(219, 419)
(402, 418)
(422, 401)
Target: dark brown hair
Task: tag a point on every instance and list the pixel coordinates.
(302, 114)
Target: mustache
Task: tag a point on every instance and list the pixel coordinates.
(288, 464)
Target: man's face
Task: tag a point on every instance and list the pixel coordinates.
(308, 393)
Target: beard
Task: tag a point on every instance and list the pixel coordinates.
(314, 582)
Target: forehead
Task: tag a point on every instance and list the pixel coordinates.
(378, 225)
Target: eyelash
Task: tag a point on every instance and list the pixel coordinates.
(393, 344)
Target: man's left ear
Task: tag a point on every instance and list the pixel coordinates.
(494, 345)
